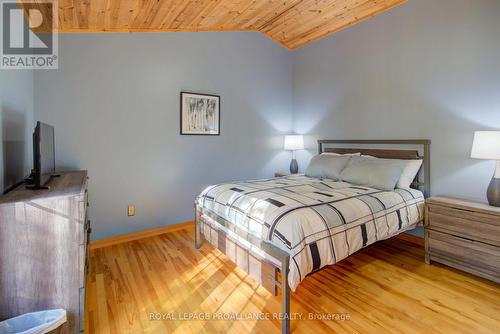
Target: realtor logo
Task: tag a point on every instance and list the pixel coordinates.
(29, 35)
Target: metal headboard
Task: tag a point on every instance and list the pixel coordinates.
(421, 183)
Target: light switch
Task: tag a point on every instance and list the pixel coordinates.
(131, 210)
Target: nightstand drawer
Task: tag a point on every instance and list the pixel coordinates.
(464, 223)
(472, 256)
(464, 213)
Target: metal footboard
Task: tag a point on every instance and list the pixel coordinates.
(268, 254)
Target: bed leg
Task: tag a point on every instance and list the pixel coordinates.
(197, 229)
(285, 296)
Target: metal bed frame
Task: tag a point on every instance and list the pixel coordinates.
(275, 261)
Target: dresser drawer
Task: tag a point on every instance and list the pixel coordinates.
(472, 256)
(467, 224)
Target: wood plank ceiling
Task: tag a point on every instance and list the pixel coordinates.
(292, 23)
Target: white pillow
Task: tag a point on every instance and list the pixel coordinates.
(357, 154)
(409, 172)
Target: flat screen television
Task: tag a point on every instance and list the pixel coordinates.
(44, 158)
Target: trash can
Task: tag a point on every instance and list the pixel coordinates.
(42, 322)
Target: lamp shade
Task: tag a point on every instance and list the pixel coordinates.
(294, 142)
(486, 145)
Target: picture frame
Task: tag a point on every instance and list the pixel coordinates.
(200, 114)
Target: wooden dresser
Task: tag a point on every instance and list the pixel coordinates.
(463, 234)
(43, 249)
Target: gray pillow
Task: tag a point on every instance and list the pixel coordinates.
(373, 172)
(327, 166)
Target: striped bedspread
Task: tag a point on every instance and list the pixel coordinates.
(318, 221)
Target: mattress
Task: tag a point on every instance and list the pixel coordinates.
(317, 221)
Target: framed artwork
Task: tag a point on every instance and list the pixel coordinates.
(200, 114)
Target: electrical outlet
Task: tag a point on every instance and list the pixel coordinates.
(131, 210)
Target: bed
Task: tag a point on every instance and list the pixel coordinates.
(280, 230)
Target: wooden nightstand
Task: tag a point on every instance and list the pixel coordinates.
(463, 234)
(280, 174)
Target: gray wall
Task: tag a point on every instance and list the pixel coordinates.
(16, 126)
(115, 105)
(413, 72)
(426, 69)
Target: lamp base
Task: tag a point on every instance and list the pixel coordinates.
(493, 193)
(294, 166)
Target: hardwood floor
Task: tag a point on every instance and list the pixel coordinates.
(386, 288)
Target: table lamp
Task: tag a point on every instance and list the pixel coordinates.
(486, 145)
(294, 143)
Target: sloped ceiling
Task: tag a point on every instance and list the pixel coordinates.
(292, 23)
